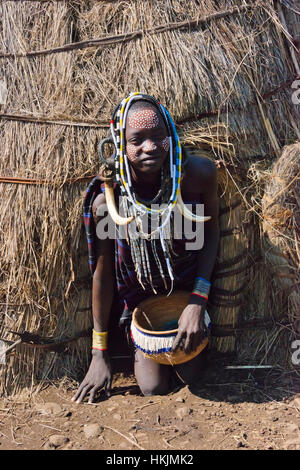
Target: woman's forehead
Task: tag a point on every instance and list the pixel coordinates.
(144, 118)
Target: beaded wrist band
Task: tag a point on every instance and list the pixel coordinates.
(201, 288)
(99, 340)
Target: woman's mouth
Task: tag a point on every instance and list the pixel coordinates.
(153, 161)
(152, 158)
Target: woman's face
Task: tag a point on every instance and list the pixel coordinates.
(147, 141)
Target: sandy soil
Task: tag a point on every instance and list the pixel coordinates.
(225, 409)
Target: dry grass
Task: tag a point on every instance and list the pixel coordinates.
(281, 212)
(222, 67)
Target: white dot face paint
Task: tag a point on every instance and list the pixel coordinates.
(131, 150)
(149, 146)
(165, 144)
(144, 119)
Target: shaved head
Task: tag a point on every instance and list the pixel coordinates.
(143, 114)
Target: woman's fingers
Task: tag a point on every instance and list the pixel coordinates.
(189, 343)
(108, 387)
(92, 393)
(84, 391)
(80, 388)
(177, 340)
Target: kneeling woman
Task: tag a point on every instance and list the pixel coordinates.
(149, 183)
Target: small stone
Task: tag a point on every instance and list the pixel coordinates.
(92, 430)
(296, 403)
(58, 440)
(273, 406)
(117, 416)
(182, 412)
(111, 408)
(48, 408)
(67, 414)
(180, 400)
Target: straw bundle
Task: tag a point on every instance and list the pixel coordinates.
(224, 72)
(281, 210)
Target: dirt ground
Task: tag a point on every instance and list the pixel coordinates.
(225, 409)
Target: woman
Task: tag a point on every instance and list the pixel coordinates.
(148, 169)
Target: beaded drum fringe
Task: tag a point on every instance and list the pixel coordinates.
(151, 344)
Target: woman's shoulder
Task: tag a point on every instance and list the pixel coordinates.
(200, 171)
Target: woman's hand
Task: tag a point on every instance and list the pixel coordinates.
(99, 375)
(191, 327)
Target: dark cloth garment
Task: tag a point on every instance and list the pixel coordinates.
(130, 291)
(93, 190)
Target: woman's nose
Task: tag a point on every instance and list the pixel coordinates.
(149, 146)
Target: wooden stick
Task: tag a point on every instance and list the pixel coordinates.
(96, 123)
(125, 437)
(12, 346)
(13, 180)
(125, 37)
(249, 367)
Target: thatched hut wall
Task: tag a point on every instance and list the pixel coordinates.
(223, 70)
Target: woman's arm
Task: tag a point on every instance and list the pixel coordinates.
(191, 322)
(99, 373)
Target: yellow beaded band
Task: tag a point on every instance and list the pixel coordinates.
(100, 340)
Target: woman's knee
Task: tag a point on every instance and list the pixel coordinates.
(151, 389)
(152, 378)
